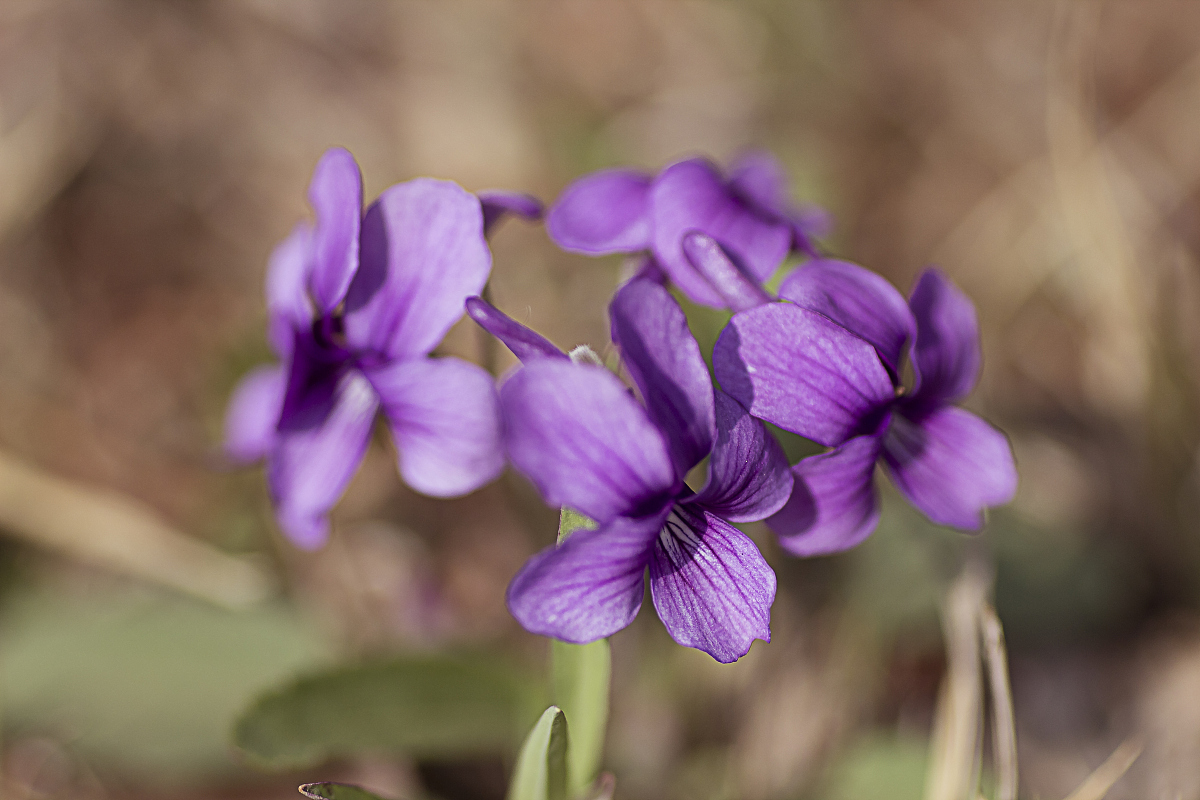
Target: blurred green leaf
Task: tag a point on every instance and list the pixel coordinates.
(879, 766)
(570, 521)
(582, 674)
(426, 705)
(336, 791)
(541, 771)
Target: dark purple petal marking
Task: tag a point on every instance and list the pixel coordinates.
(604, 212)
(423, 254)
(336, 194)
(692, 196)
(445, 419)
(951, 465)
(311, 466)
(662, 356)
(946, 357)
(748, 476)
(288, 306)
(523, 342)
(253, 414)
(578, 434)
(589, 586)
(499, 203)
(711, 587)
(834, 505)
(739, 289)
(797, 369)
(858, 300)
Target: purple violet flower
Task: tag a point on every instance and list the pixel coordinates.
(580, 435)
(826, 366)
(627, 211)
(355, 305)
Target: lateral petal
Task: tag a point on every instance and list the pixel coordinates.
(336, 195)
(499, 203)
(951, 465)
(253, 414)
(711, 587)
(797, 369)
(445, 419)
(602, 213)
(524, 342)
(738, 288)
(661, 354)
(578, 434)
(946, 356)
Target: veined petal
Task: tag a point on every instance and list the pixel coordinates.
(951, 465)
(589, 586)
(946, 357)
(711, 587)
(312, 464)
(662, 356)
(288, 306)
(423, 254)
(578, 434)
(336, 195)
(739, 289)
(834, 504)
(691, 195)
(522, 341)
(499, 203)
(797, 369)
(748, 476)
(253, 414)
(445, 419)
(601, 213)
(858, 300)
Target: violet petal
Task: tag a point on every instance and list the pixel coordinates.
(288, 306)
(523, 342)
(797, 369)
(951, 465)
(738, 288)
(578, 434)
(711, 587)
(946, 357)
(589, 586)
(661, 354)
(445, 419)
(748, 475)
(423, 254)
(311, 466)
(602, 213)
(336, 194)
(834, 503)
(499, 203)
(858, 300)
(253, 414)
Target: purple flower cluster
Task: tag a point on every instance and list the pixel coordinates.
(358, 302)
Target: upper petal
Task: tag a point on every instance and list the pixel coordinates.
(604, 212)
(758, 178)
(711, 587)
(590, 585)
(738, 288)
(799, 370)
(748, 476)
(288, 306)
(661, 354)
(522, 341)
(314, 459)
(423, 254)
(579, 435)
(834, 504)
(336, 195)
(691, 196)
(946, 357)
(951, 465)
(499, 203)
(253, 414)
(445, 419)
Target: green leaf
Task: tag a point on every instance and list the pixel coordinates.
(582, 674)
(336, 791)
(427, 705)
(570, 521)
(541, 771)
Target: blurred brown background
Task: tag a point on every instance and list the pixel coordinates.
(1045, 155)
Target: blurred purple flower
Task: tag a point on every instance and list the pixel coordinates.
(748, 213)
(826, 366)
(355, 304)
(578, 433)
